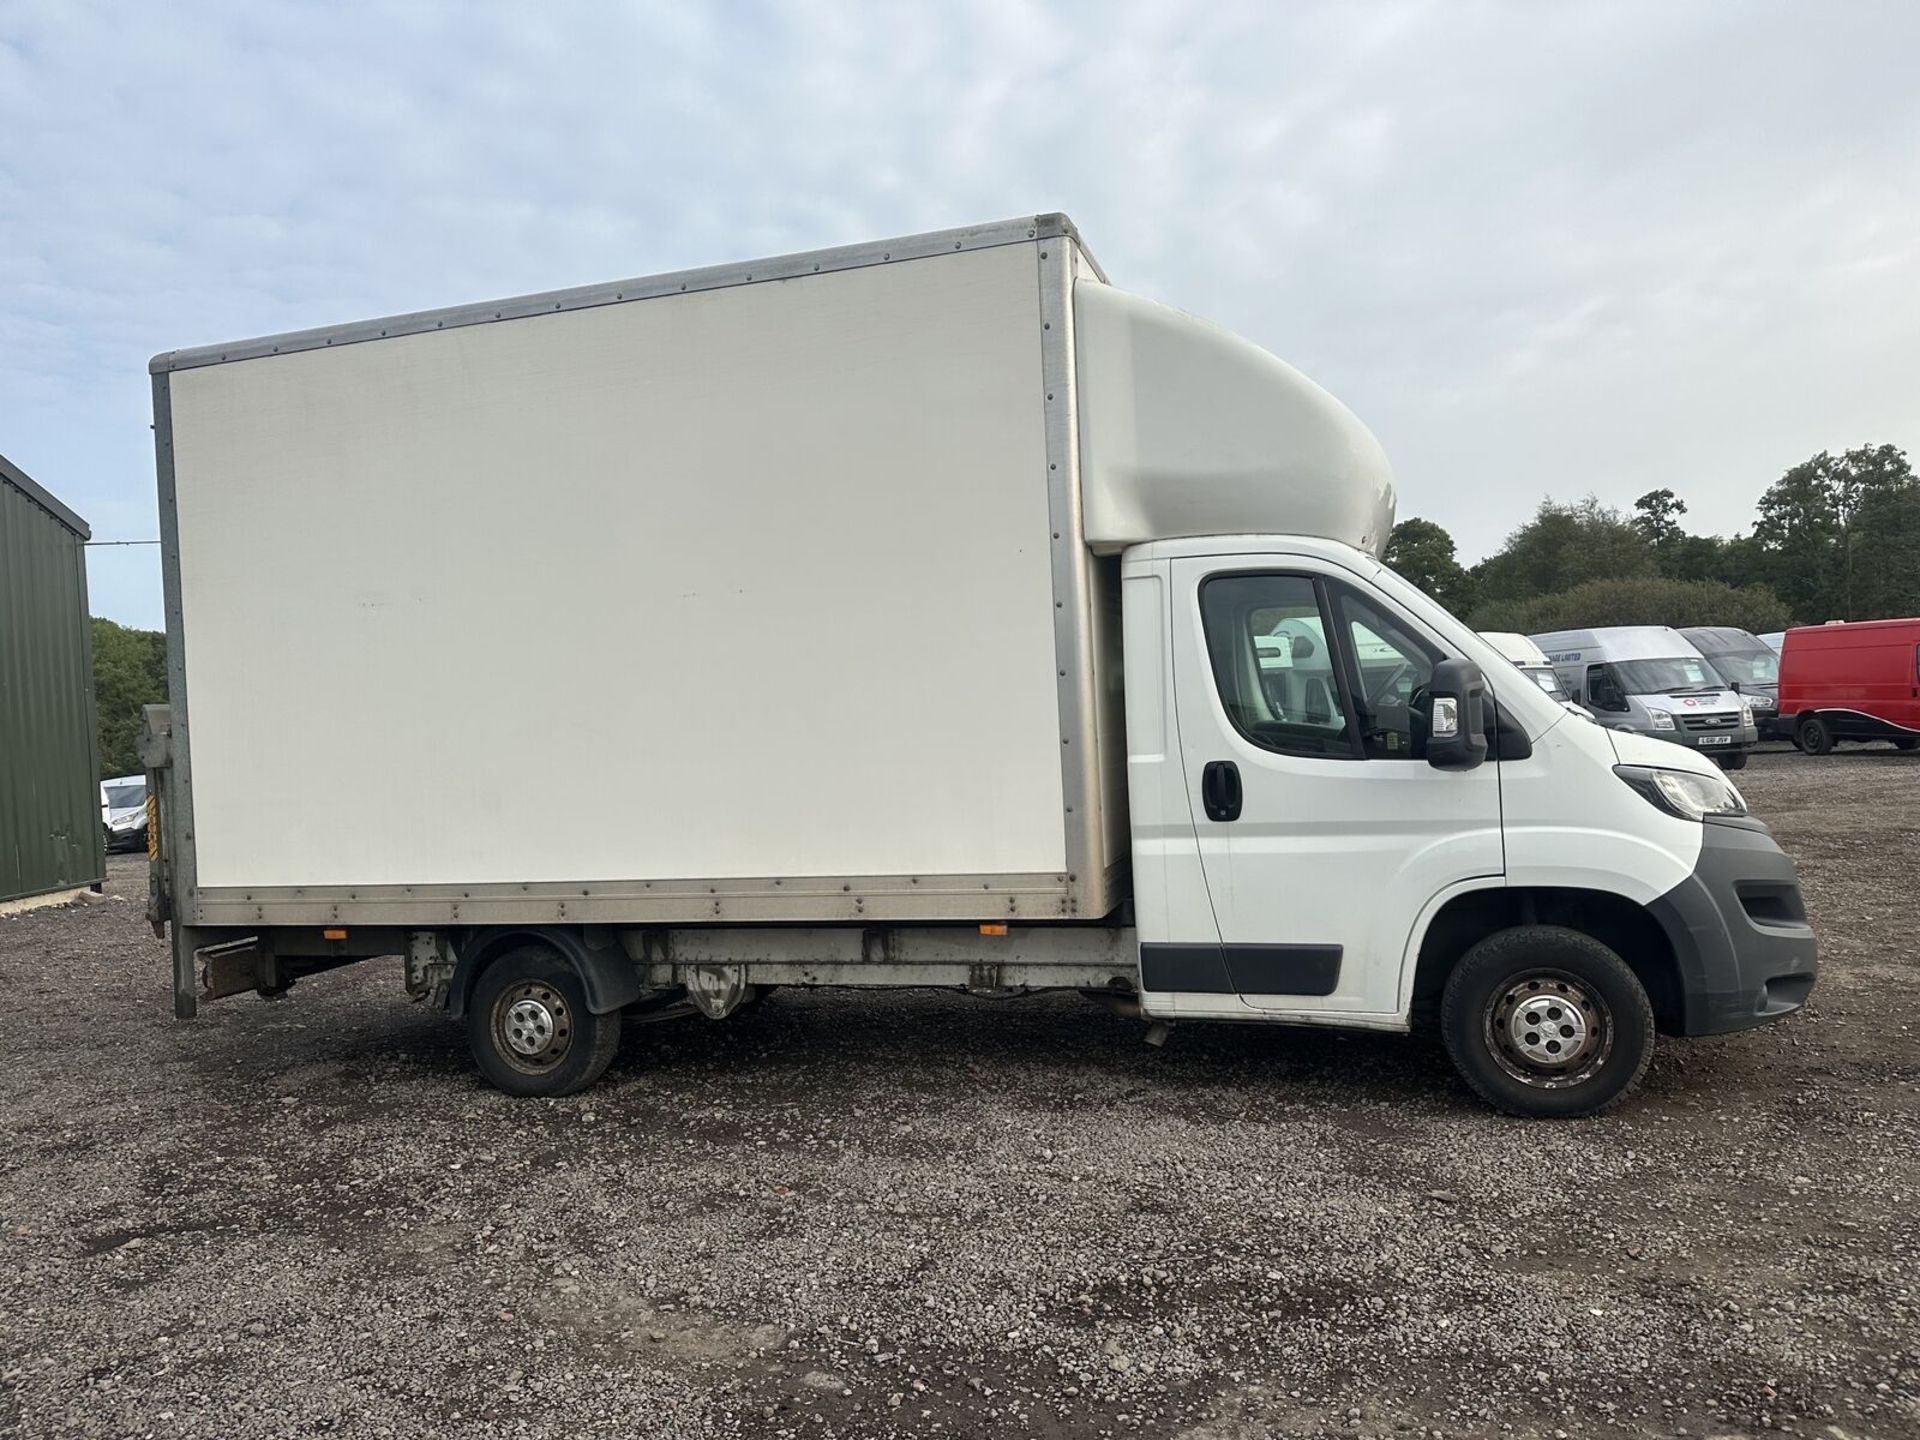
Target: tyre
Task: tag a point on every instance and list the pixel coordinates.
(1546, 1022)
(1733, 760)
(530, 1029)
(1813, 735)
(1906, 742)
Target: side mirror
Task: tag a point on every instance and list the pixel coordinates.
(1457, 733)
(1736, 686)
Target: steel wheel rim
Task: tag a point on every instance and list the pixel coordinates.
(532, 1026)
(1549, 1029)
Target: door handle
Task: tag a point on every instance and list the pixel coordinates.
(1220, 790)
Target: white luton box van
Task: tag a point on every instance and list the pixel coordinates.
(949, 617)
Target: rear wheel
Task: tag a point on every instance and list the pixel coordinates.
(1813, 735)
(1733, 760)
(530, 1029)
(1906, 742)
(1546, 1022)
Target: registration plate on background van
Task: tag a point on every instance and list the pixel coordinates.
(1716, 739)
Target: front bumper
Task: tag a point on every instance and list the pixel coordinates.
(1739, 931)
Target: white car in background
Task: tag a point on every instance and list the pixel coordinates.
(123, 812)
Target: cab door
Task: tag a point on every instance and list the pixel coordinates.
(1321, 830)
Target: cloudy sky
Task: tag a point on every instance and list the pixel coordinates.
(1540, 249)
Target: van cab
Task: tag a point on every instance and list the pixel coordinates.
(1748, 664)
(1650, 680)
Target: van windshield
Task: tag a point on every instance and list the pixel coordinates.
(1666, 677)
(1546, 678)
(1757, 666)
(122, 797)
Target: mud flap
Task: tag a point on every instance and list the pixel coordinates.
(234, 968)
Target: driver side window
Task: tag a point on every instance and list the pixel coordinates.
(1604, 690)
(1311, 667)
(1391, 673)
(1274, 671)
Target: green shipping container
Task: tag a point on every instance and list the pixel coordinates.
(50, 831)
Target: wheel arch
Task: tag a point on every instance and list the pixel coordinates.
(609, 978)
(1624, 926)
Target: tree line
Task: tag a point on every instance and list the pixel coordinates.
(129, 672)
(1835, 538)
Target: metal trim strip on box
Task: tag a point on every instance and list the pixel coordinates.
(178, 842)
(1072, 588)
(712, 277)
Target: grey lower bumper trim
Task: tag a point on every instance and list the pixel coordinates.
(1739, 932)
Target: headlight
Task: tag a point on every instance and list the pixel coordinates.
(1761, 702)
(1746, 715)
(1683, 793)
(1661, 719)
(128, 822)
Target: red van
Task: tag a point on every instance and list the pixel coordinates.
(1858, 680)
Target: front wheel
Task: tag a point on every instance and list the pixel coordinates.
(1813, 735)
(1546, 1022)
(1906, 742)
(530, 1029)
(1733, 760)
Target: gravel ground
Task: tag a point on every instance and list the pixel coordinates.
(929, 1215)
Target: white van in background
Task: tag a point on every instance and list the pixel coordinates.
(1650, 680)
(1529, 659)
(123, 812)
